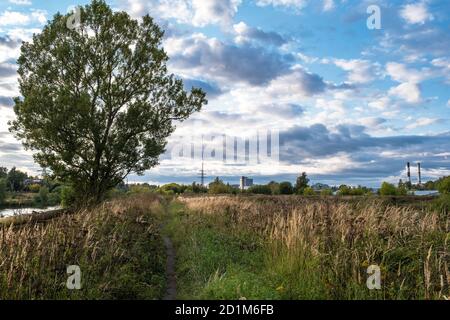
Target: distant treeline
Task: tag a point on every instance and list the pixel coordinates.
(301, 187)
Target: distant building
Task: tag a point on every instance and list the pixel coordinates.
(28, 182)
(245, 183)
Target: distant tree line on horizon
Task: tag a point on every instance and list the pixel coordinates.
(301, 187)
(50, 191)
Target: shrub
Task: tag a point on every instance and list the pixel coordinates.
(388, 189)
(286, 188)
(274, 187)
(34, 188)
(218, 187)
(308, 191)
(444, 186)
(345, 190)
(67, 196)
(43, 195)
(260, 189)
(326, 192)
(175, 188)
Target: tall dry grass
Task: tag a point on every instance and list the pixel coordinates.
(327, 245)
(116, 245)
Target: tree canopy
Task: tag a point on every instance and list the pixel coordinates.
(97, 101)
(444, 185)
(301, 183)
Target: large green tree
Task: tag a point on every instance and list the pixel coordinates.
(98, 102)
(16, 180)
(301, 183)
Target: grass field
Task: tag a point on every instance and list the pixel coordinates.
(231, 247)
(266, 247)
(117, 246)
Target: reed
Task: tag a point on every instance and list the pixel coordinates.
(327, 244)
(117, 246)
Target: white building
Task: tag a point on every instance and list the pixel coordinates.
(246, 183)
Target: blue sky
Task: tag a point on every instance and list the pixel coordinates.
(352, 105)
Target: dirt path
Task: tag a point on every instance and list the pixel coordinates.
(171, 288)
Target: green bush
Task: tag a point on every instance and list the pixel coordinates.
(326, 192)
(172, 188)
(54, 198)
(43, 195)
(345, 190)
(67, 196)
(388, 189)
(140, 188)
(260, 189)
(444, 186)
(34, 188)
(308, 191)
(286, 188)
(218, 187)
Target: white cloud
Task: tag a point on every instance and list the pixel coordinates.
(372, 122)
(195, 12)
(14, 18)
(293, 4)
(198, 56)
(448, 103)
(21, 2)
(245, 33)
(409, 89)
(214, 11)
(359, 71)
(416, 13)
(299, 82)
(400, 73)
(380, 104)
(422, 122)
(22, 34)
(328, 5)
(39, 16)
(444, 67)
(410, 92)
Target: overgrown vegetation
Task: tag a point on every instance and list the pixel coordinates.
(267, 247)
(117, 245)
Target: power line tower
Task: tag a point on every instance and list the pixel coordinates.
(202, 173)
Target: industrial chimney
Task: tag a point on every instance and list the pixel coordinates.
(409, 173)
(420, 174)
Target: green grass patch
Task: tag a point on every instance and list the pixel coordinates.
(214, 262)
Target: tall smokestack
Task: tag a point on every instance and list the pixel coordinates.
(409, 172)
(420, 174)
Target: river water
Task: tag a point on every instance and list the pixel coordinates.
(20, 211)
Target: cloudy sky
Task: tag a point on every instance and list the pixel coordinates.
(351, 104)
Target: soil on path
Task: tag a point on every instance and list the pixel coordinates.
(171, 288)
